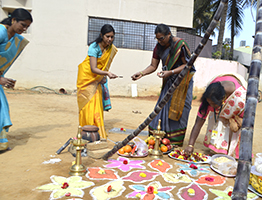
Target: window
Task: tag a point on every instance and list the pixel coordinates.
(189, 35)
(129, 34)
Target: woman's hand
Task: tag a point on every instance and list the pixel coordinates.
(189, 150)
(137, 76)
(111, 75)
(164, 74)
(7, 82)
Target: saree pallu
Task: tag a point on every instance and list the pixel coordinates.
(174, 115)
(89, 91)
(9, 52)
(219, 138)
(106, 97)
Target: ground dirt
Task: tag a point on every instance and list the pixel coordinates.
(42, 123)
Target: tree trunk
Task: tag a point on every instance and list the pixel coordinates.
(176, 83)
(247, 130)
(233, 26)
(222, 30)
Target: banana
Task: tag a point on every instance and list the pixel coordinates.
(256, 182)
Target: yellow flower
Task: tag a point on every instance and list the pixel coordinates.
(155, 191)
(159, 163)
(101, 171)
(138, 195)
(191, 191)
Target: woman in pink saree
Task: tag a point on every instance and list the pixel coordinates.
(224, 102)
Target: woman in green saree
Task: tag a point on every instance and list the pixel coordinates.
(174, 54)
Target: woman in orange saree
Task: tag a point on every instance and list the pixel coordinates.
(92, 72)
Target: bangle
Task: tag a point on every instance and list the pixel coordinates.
(142, 73)
(173, 71)
(191, 145)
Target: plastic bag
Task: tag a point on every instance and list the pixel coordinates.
(142, 148)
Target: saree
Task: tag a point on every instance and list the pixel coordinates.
(219, 137)
(9, 52)
(174, 115)
(89, 91)
(106, 97)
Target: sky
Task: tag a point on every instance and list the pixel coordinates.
(247, 32)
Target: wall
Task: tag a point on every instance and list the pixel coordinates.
(206, 68)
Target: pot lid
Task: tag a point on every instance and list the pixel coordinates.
(90, 128)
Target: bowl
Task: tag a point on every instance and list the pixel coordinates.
(224, 163)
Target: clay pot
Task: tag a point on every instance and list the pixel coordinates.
(90, 133)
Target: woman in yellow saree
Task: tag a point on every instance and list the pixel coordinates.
(11, 45)
(92, 73)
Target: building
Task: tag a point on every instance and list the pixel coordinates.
(62, 29)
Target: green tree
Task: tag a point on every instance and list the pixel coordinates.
(203, 13)
(221, 32)
(233, 14)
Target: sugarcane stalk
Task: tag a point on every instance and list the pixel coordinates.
(247, 130)
(175, 84)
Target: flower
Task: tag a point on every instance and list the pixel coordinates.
(62, 186)
(150, 190)
(138, 195)
(125, 167)
(109, 188)
(227, 111)
(191, 191)
(193, 166)
(97, 173)
(241, 104)
(153, 190)
(101, 192)
(134, 176)
(101, 171)
(68, 194)
(176, 178)
(224, 143)
(65, 185)
(192, 171)
(238, 93)
(211, 180)
(231, 103)
(160, 165)
(199, 192)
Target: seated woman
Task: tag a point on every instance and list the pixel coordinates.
(224, 102)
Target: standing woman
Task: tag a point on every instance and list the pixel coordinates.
(174, 54)
(11, 45)
(92, 72)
